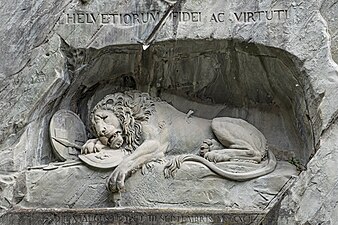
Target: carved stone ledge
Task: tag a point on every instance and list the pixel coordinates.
(133, 216)
(45, 189)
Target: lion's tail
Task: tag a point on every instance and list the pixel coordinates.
(172, 166)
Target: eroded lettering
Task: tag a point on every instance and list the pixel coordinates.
(138, 218)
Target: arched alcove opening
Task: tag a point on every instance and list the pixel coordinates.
(263, 85)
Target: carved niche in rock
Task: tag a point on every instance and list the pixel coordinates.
(134, 129)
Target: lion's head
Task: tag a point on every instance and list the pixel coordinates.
(130, 108)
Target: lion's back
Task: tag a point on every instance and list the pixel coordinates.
(166, 111)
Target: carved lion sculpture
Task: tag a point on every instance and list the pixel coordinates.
(151, 129)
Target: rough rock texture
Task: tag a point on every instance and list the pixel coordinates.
(316, 190)
(328, 10)
(284, 68)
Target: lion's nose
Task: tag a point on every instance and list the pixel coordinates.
(103, 130)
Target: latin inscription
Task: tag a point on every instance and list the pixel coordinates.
(152, 219)
(128, 19)
(131, 19)
(139, 218)
(278, 14)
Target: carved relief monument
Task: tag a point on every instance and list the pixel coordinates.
(168, 112)
(146, 130)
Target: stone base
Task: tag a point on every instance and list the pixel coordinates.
(135, 216)
(60, 195)
(194, 185)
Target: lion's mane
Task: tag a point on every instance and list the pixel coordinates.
(131, 108)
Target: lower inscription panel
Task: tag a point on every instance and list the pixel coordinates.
(130, 216)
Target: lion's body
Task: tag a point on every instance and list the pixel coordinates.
(184, 135)
(152, 129)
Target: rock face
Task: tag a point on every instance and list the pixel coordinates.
(271, 63)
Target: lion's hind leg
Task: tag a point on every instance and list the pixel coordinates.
(213, 151)
(240, 140)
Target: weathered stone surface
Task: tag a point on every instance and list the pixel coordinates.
(81, 187)
(329, 10)
(313, 198)
(27, 97)
(282, 67)
(196, 186)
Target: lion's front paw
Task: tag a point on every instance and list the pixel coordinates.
(216, 157)
(115, 181)
(90, 147)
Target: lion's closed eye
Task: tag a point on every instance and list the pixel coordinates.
(104, 117)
